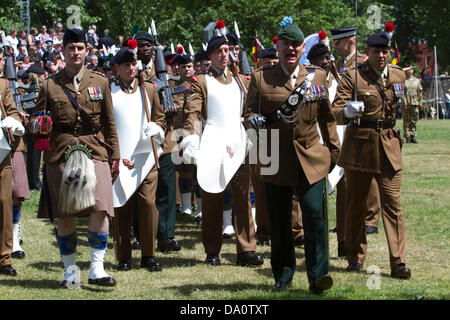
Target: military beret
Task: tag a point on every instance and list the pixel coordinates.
(142, 35)
(317, 50)
(340, 33)
(34, 68)
(379, 40)
(232, 39)
(124, 55)
(182, 59)
(74, 35)
(291, 32)
(214, 43)
(270, 53)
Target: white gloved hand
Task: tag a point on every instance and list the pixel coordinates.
(191, 147)
(16, 127)
(353, 108)
(151, 129)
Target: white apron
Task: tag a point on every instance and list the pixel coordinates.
(224, 140)
(129, 115)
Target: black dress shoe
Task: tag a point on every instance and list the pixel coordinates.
(8, 270)
(263, 242)
(18, 254)
(281, 285)
(320, 284)
(341, 249)
(401, 272)
(353, 267)
(212, 259)
(151, 264)
(299, 242)
(413, 139)
(136, 245)
(124, 265)
(408, 140)
(371, 230)
(104, 282)
(249, 258)
(166, 245)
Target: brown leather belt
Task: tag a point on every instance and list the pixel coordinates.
(378, 125)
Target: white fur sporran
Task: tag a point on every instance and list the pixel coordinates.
(77, 184)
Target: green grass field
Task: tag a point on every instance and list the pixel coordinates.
(425, 198)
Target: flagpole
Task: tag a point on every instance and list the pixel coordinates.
(436, 89)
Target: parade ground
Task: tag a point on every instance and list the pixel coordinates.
(425, 200)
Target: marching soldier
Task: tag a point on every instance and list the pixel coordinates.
(10, 124)
(345, 45)
(217, 97)
(146, 44)
(135, 188)
(410, 112)
(290, 99)
(83, 157)
(371, 150)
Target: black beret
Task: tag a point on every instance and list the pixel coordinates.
(317, 50)
(214, 43)
(232, 39)
(142, 35)
(201, 56)
(270, 53)
(74, 35)
(182, 59)
(340, 33)
(124, 56)
(34, 68)
(379, 40)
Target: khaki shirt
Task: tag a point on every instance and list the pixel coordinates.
(63, 113)
(344, 64)
(413, 91)
(299, 146)
(361, 147)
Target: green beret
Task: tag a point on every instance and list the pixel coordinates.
(142, 35)
(291, 32)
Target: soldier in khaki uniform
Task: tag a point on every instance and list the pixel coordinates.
(371, 149)
(126, 93)
(196, 109)
(410, 112)
(344, 43)
(88, 122)
(12, 120)
(303, 161)
(146, 44)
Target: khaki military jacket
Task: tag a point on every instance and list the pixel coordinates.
(150, 75)
(11, 111)
(413, 91)
(342, 67)
(63, 113)
(361, 147)
(196, 106)
(299, 145)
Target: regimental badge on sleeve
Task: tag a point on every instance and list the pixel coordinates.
(95, 93)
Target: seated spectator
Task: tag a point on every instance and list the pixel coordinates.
(12, 41)
(22, 38)
(22, 53)
(55, 64)
(34, 56)
(32, 37)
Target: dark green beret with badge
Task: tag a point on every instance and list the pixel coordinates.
(292, 33)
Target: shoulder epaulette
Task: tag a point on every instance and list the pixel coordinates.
(395, 66)
(99, 73)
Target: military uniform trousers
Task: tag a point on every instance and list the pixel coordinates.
(212, 215)
(144, 199)
(358, 188)
(261, 219)
(6, 227)
(410, 115)
(279, 208)
(33, 163)
(372, 208)
(166, 198)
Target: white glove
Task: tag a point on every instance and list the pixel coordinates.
(353, 108)
(16, 127)
(151, 129)
(191, 147)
